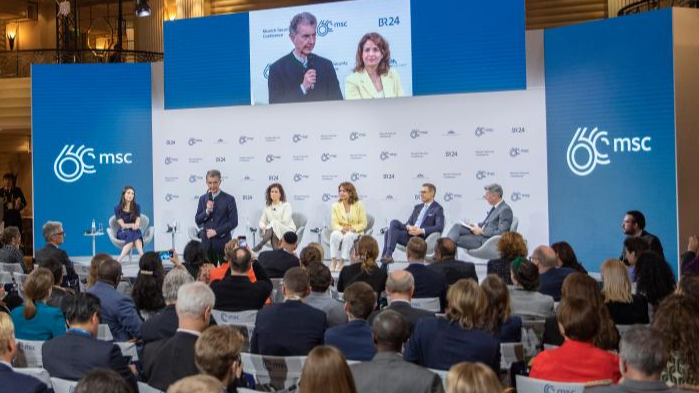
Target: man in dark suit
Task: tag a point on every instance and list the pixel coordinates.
(387, 372)
(634, 225)
(447, 264)
(77, 352)
(498, 221)
(551, 277)
(426, 219)
(277, 262)
(55, 236)
(164, 324)
(11, 381)
(217, 216)
(428, 283)
(171, 359)
(117, 310)
(354, 338)
(400, 287)
(303, 76)
(236, 292)
(291, 328)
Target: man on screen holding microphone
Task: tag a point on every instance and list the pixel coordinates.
(217, 217)
(301, 75)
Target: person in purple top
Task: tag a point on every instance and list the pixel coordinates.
(128, 217)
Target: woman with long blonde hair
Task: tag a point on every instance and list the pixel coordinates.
(467, 377)
(624, 307)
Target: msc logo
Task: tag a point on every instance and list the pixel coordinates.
(386, 155)
(480, 175)
(516, 151)
(518, 196)
(592, 156)
(77, 162)
(327, 26)
(245, 139)
(353, 136)
(298, 138)
(265, 73)
(325, 157)
(415, 133)
(193, 141)
(328, 197)
(552, 389)
(298, 177)
(480, 131)
(170, 160)
(169, 197)
(195, 178)
(357, 176)
(271, 158)
(450, 196)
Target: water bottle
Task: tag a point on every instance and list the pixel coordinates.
(93, 227)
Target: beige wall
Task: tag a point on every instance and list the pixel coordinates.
(40, 34)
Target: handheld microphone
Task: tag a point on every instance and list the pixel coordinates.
(211, 196)
(311, 66)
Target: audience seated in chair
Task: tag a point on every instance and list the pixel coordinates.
(171, 359)
(320, 296)
(498, 318)
(550, 275)
(566, 257)
(311, 254)
(196, 262)
(625, 308)
(354, 338)
(400, 287)
(54, 235)
(13, 381)
(282, 258)
(236, 292)
(10, 251)
(388, 372)
(363, 267)
(445, 262)
(677, 321)
(74, 354)
(118, 311)
(428, 283)
(577, 360)
(326, 370)
(291, 328)
(654, 279)
(524, 296)
(164, 324)
(510, 246)
(217, 353)
(147, 292)
(439, 343)
(58, 293)
(103, 380)
(35, 320)
(472, 378)
(94, 263)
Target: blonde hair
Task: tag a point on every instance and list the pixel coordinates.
(467, 377)
(37, 288)
(229, 249)
(197, 384)
(367, 248)
(7, 332)
(617, 284)
(467, 304)
(326, 370)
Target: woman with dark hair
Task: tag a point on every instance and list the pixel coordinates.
(10, 251)
(326, 370)
(364, 268)
(526, 300)
(498, 319)
(58, 293)
(276, 218)
(347, 222)
(195, 258)
(677, 321)
(654, 278)
(36, 320)
(147, 291)
(566, 256)
(373, 76)
(128, 217)
(510, 246)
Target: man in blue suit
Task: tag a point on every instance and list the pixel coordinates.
(354, 338)
(217, 216)
(551, 276)
(74, 354)
(426, 219)
(291, 328)
(11, 381)
(428, 283)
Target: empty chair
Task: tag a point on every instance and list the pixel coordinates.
(531, 385)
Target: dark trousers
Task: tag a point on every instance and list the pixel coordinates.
(396, 234)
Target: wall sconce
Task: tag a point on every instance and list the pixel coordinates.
(11, 34)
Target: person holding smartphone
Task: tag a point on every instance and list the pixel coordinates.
(276, 218)
(128, 217)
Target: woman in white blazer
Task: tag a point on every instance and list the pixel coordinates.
(276, 218)
(373, 76)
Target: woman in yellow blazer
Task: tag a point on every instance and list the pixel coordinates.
(347, 222)
(373, 76)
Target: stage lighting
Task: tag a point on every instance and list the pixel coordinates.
(142, 8)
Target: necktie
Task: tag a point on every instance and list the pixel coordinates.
(421, 216)
(488, 216)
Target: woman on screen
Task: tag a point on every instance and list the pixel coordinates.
(348, 222)
(373, 76)
(276, 218)
(128, 217)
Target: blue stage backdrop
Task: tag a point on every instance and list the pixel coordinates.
(91, 137)
(611, 133)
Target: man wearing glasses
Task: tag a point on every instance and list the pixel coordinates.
(54, 236)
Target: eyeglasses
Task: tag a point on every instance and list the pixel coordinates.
(60, 233)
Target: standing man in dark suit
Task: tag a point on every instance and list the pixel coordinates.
(387, 372)
(445, 262)
(11, 381)
(277, 262)
(77, 352)
(217, 216)
(426, 219)
(303, 76)
(291, 328)
(498, 220)
(169, 360)
(428, 283)
(551, 276)
(54, 235)
(634, 225)
(400, 287)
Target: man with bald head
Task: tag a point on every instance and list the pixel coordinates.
(400, 287)
(551, 277)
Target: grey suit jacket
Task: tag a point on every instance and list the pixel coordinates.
(332, 308)
(389, 373)
(497, 222)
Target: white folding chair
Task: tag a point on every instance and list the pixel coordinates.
(20, 278)
(510, 353)
(104, 333)
(442, 374)
(11, 267)
(280, 372)
(63, 385)
(29, 354)
(38, 373)
(531, 385)
(532, 336)
(145, 388)
(428, 303)
(128, 349)
(234, 318)
(5, 278)
(81, 269)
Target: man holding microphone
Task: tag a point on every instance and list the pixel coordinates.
(217, 217)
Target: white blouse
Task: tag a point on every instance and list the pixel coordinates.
(278, 218)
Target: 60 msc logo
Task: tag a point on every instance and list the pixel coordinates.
(584, 154)
(72, 163)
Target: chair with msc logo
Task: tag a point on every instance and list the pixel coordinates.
(145, 231)
(531, 385)
(28, 353)
(489, 249)
(278, 371)
(430, 304)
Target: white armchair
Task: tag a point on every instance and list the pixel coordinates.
(489, 249)
(146, 231)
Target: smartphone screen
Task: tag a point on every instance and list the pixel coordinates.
(165, 255)
(242, 241)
